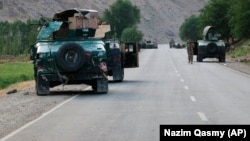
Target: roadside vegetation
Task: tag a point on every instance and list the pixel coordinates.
(231, 20)
(17, 37)
(240, 51)
(123, 17)
(14, 72)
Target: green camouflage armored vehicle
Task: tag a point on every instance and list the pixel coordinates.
(211, 46)
(68, 51)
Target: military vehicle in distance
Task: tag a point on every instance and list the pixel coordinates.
(211, 46)
(171, 43)
(151, 44)
(69, 51)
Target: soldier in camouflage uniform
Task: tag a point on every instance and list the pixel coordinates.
(190, 51)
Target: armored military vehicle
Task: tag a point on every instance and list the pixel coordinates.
(119, 56)
(151, 45)
(69, 51)
(211, 46)
(171, 43)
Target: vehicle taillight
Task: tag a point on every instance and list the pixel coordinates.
(103, 66)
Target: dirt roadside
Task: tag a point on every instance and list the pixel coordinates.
(239, 66)
(21, 107)
(19, 86)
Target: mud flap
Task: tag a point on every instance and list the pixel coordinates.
(42, 85)
(118, 74)
(101, 85)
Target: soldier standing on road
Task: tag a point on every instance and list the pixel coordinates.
(190, 51)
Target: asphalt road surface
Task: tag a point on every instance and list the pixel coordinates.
(165, 89)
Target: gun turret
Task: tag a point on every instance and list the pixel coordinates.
(210, 34)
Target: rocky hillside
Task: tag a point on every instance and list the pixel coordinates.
(160, 19)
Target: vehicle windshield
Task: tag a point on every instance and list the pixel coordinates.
(48, 29)
(114, 45)
(214, 36)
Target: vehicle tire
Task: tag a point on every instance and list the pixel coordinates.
(94, 85)
(222, 58)
(70, 57)
(118, 74)
(199, 58)
(42, 86)
(212, 48)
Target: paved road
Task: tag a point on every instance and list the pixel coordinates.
(165, 89)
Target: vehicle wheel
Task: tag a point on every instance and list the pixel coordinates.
(212, 48)
(94, 85)
(70, 57)
(199, 58)
(222, 58)
(118, 74)
(42, 86)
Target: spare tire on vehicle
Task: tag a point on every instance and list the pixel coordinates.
(212, 48)
(70, 57)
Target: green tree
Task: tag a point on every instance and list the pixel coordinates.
(17, 37)
(131, 34)
(215, 13)
(239, 13)
(120, 15)
(190, 29)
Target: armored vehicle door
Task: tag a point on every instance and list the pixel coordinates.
(112, 47)
(130, 54)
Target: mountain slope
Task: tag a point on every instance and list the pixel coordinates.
(160, 19)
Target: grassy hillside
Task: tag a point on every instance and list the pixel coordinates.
(241, 51)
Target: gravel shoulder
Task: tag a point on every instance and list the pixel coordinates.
(21, 107)
(239, 66)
